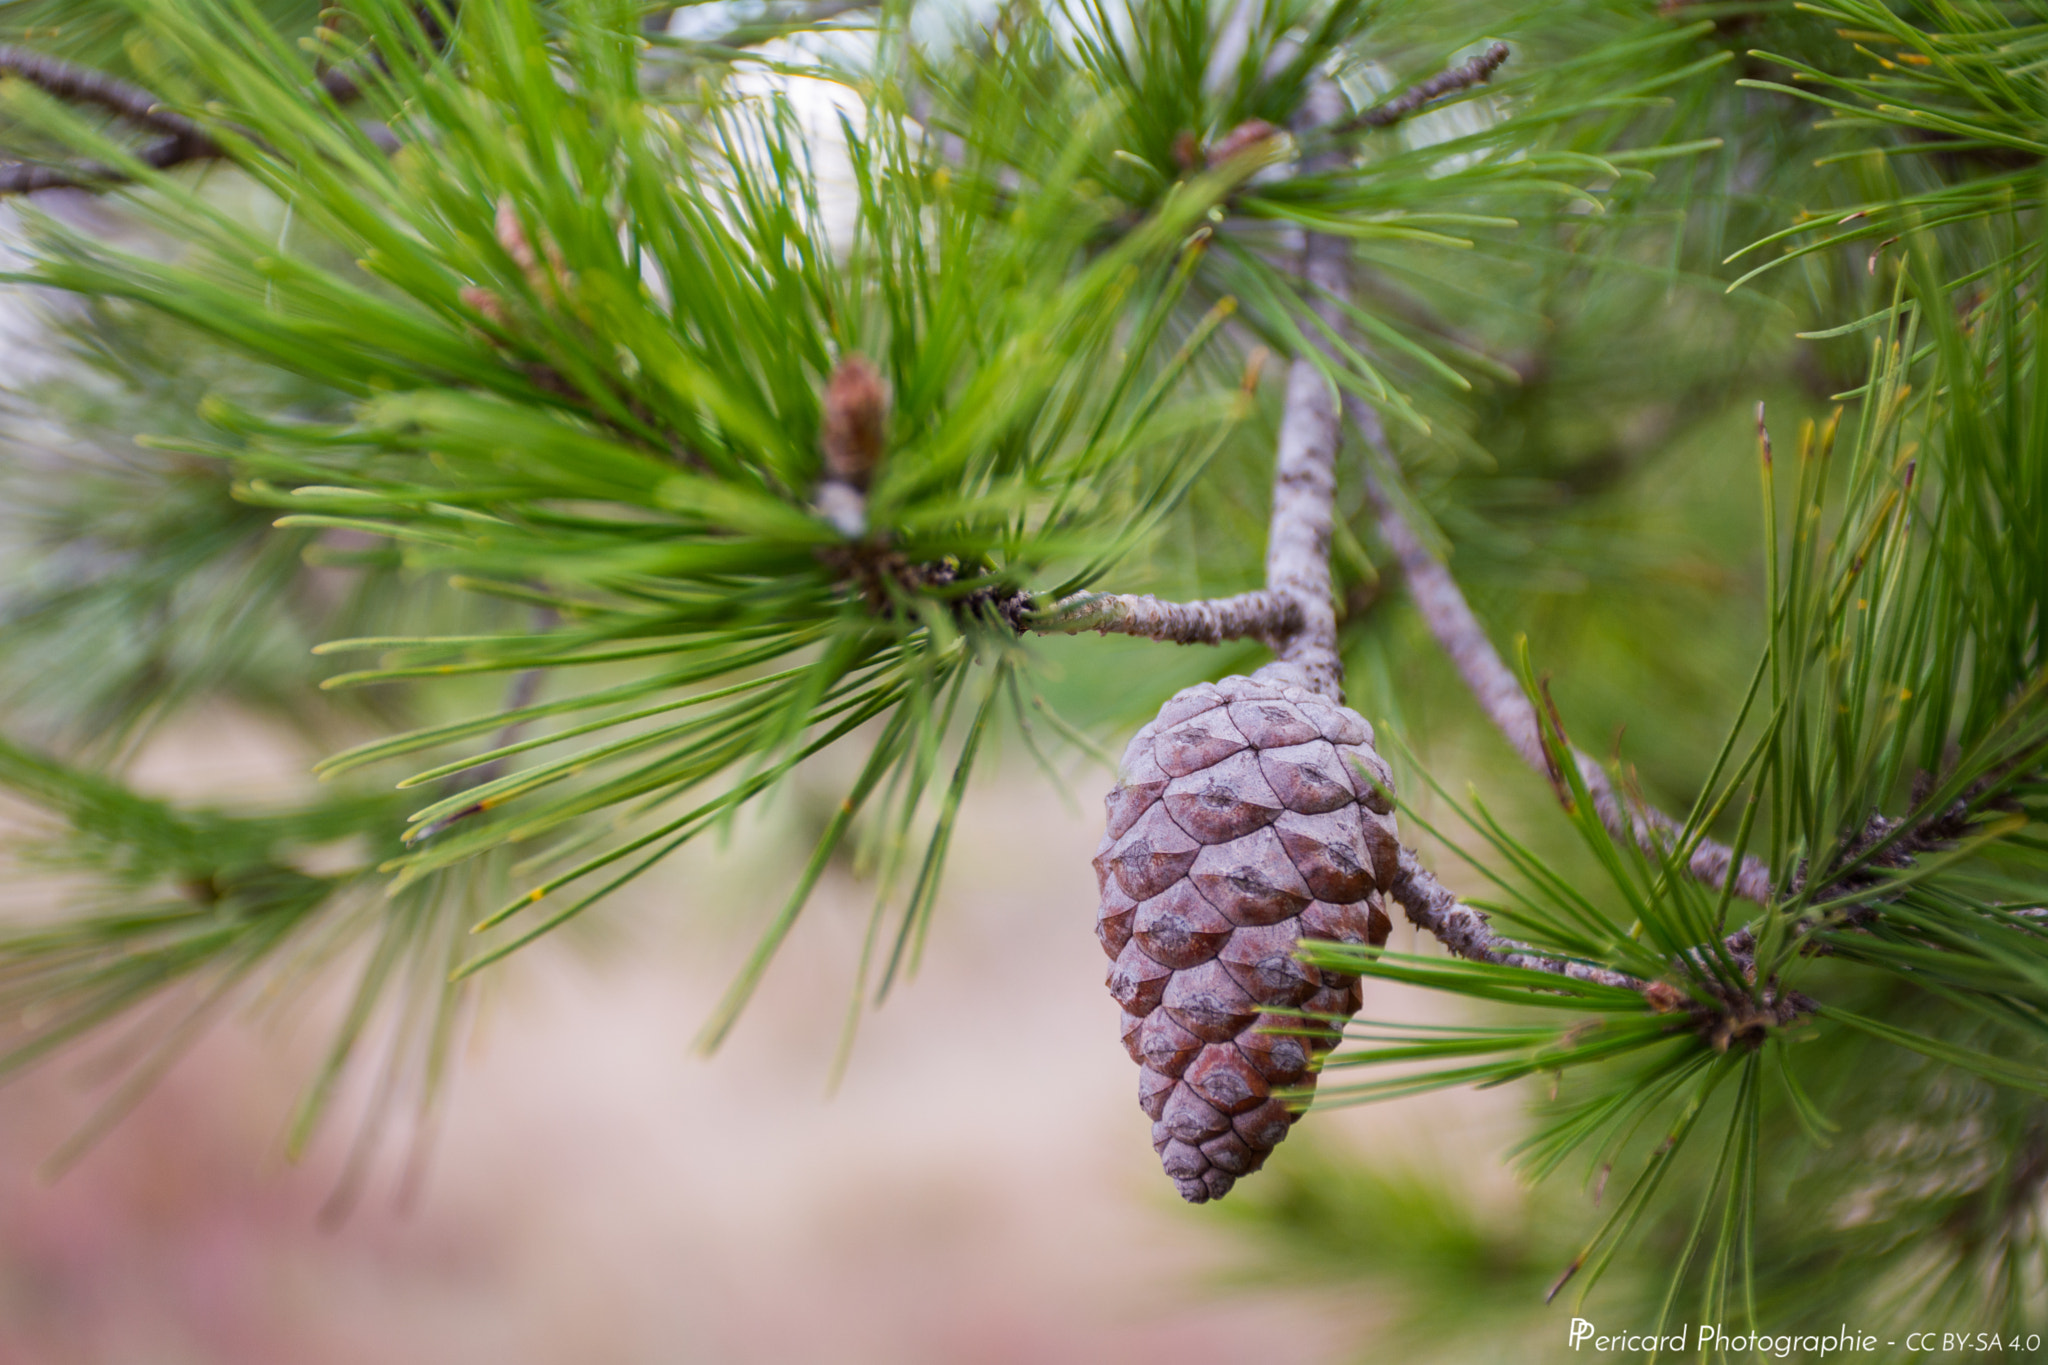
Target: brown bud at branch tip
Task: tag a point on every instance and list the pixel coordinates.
(484, 301)
(855, 421)
(1664, 997)
(1247, 134)
(511, 234)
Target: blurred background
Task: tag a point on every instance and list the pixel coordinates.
(978, 1184)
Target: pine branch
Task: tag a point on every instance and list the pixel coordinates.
(1295, 614)
(1298, 564)
(1500, 695)
(1432, 906)
(24, 177)
(1305, 468)
(520, 693)
(182, 140)
(82, 85)
(1475, 72)
(1298, 567)
(1719, 1012)
(1264, 615)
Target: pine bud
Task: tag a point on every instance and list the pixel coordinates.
(855, 423)
(1247, 134)
(485, 301)
(511, 234)
(512, 237)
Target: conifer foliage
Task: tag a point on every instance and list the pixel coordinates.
(545, 406)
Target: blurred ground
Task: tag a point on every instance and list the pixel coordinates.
(980, 1189)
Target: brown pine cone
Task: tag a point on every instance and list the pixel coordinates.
(1240, 824)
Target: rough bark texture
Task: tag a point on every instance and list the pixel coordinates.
(1251, 615)
(1433, 907)
(1249, 815)
(183, 141)
(1475, 72)
(83, 85)
(1305, 472)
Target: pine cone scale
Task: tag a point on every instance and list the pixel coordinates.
(1179, 929)
(1152, 856)
(1250, 880)
(1199, 742)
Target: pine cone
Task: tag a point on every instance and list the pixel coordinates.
(1240, 824)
